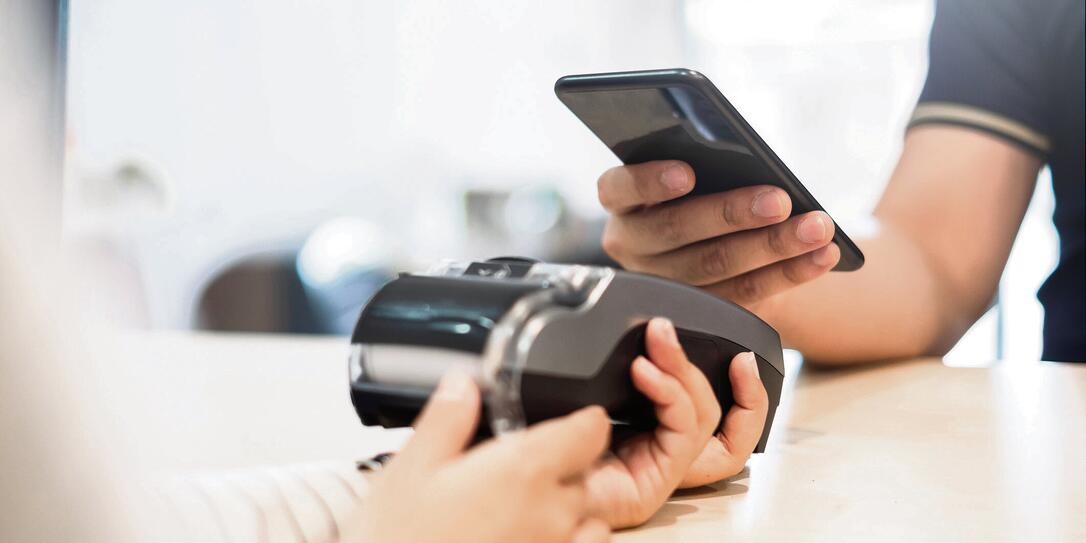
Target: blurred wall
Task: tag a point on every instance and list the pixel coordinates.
(236, 127)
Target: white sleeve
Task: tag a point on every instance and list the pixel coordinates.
(310, 503)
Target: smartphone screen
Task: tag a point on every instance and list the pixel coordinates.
(679, 115)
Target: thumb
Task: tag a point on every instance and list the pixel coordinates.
(445, 426)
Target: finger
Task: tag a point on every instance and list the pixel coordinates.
(674, 408)
(740, 431)
(744, 422)
(445, 426)
(567, 446)
(765, 282)
(592, 530)
(672, 225)
(626, 188)
(729, 256)
(663, 348)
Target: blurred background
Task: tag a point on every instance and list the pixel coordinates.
(265, 165)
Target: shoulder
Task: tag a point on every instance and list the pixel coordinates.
(990, 69)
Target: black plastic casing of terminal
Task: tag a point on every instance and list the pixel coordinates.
(577, 357)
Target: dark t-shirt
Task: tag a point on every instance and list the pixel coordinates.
(1014, 69)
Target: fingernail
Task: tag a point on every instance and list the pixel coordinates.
(812, 229)
(675, 179)
(748, 359)
(768, 204)
(824, 256)
(594, 411)
(669, 331)
(454, 386)
(649, 366)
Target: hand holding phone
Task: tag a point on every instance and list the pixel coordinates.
(701, 199)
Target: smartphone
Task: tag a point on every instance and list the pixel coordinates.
(679, 114)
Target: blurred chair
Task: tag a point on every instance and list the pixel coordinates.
(259, 293)
(318, 289)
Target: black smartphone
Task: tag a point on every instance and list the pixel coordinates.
(679, 114)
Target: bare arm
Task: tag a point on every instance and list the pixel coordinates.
(947, 221)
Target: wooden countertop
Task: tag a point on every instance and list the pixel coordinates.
(912, 451)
